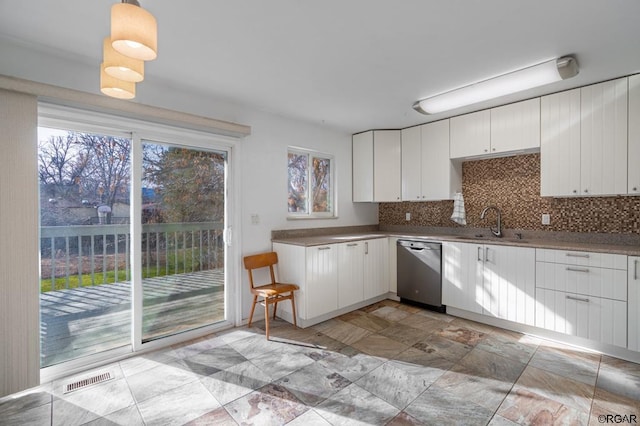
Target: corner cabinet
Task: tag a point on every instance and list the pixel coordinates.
(427, 172)
(376, 165)
(584, 141)
(333, 278)
(493, 280)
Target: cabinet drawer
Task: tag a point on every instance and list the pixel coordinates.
(593, 318)
(582, 258)
(584, 280)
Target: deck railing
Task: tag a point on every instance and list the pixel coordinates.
(100, 254)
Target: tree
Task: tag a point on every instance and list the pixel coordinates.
(80, 168)
(189, 184)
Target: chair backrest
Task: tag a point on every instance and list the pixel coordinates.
(258, 261)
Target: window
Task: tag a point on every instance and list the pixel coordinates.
(311, 185)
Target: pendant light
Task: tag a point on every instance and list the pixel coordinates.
(134, 31)
(121, 67)
(115, 87)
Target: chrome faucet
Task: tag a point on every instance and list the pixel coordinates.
(498, 231)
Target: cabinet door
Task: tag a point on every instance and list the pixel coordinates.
(462, 284)
(560, 144)
(633, 186)
(350, 277)
(376, 267)
(634, 303)
(603, 127)
(470, 134)
(362, 167)
(322, 280)
(387, 161)
(516, 126)
(441, 177)
(509, 283)
(411, 164)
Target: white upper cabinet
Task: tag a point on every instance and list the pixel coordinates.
(603, 146)
(411, 164)
(633, 186)
(470, 135)
(377, 166)
(516, 126)
(560, 144)
(362, 146)
(441, 177)
(427, 172)
(584, 141)
(509, 128)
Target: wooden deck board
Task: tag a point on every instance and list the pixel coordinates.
(83, 321)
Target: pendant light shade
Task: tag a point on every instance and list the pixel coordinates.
(115, 87)
(121, 67)
(134, 31)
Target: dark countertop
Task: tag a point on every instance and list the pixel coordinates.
(547, 243)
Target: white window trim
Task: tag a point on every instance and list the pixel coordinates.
(333, 214)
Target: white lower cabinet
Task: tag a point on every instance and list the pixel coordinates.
(577, 298)
(350, 273)
(462, 282)
(493, 280)
(376, 267)
(320, 289)
(333, 277)
(593, 318)
(634, 303)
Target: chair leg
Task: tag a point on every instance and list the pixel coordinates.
(275, 308)
(266, 318)
(293, 308)
(253, 307)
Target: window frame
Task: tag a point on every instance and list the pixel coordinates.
(332, 190)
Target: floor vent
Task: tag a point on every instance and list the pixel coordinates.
(88, 382)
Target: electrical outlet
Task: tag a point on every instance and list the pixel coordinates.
(255, 219)
(407, 216)
(546, 219)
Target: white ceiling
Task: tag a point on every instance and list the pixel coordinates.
(351, 64)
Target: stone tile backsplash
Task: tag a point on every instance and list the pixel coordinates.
(513, 184)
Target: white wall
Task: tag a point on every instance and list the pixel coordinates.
(261, 159)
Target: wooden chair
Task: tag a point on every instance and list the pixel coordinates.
(272, 293)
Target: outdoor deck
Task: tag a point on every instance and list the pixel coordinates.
(82, 321)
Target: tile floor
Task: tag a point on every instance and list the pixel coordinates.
(387, 363)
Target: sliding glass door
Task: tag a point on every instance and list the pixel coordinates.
(132, 243)
(85, 287)
(183, 252)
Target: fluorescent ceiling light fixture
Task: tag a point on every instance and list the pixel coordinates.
(122, 67)
(134, 31)
(516, 81)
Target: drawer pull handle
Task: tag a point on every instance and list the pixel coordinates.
(579, 299)
(366, 248)
(352, 245)
(577, 269)
(586, 256)
(324, 248)
(479, 254)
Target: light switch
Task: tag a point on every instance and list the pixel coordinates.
(546, 219)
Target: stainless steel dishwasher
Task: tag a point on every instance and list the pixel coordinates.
(420, 273)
